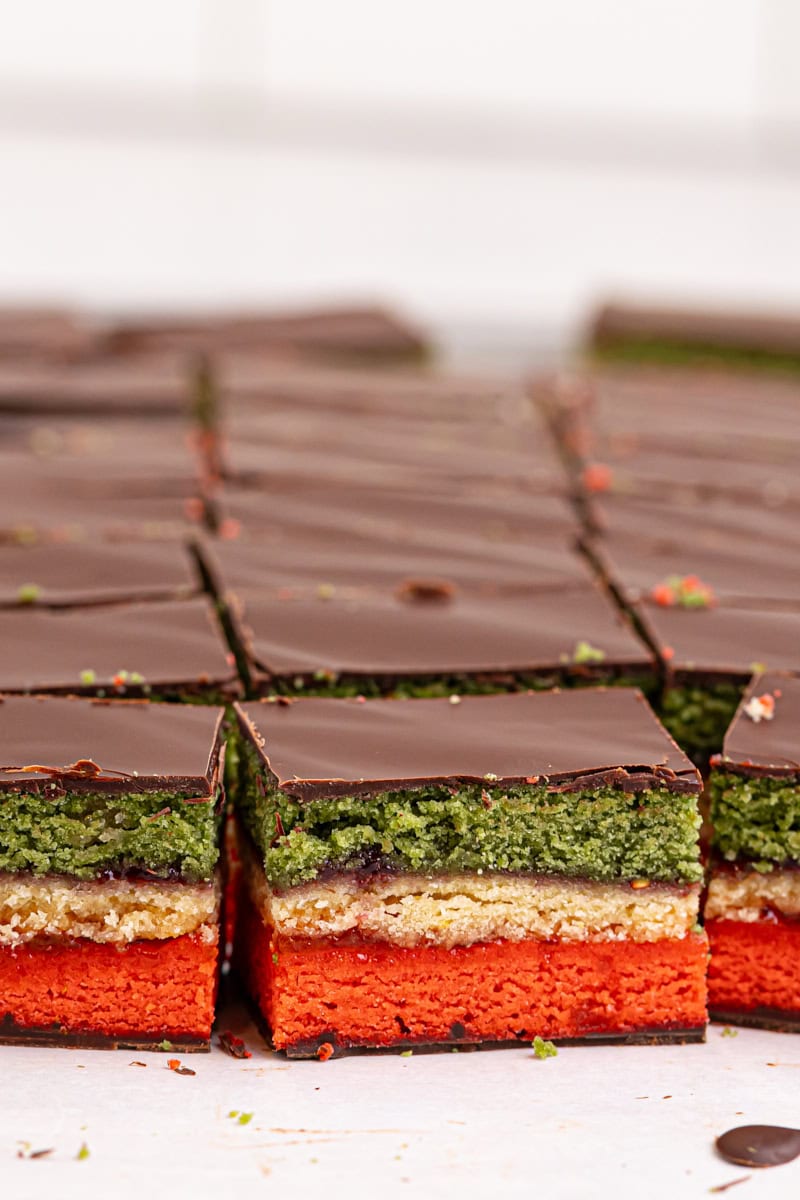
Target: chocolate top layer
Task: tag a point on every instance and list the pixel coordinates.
(581, 738)
(253, 386)
(489, 513)
(772, 743)
(621, 322)
(93, 745)
(398, 634)
(174, 644)
(152, 385)
(718, 522)
(336, 331)
(95, 573)
(317, 560)
(725, 640)
(744, 568)
(42, 333)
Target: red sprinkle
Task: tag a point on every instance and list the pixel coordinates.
(597, 477)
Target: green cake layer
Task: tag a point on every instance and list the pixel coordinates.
(698, 715)
(684, 354)
(83, 835)
(328, 685)
(601, 834)
(756, 819)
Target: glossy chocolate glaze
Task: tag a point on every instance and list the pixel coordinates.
(570, 739)
(171, 645)
(130, 746)
(771, 746)
(391, 634)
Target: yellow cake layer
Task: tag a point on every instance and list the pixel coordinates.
(744, 895)
(115, 910)
(459, 910)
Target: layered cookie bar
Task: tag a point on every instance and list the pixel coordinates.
(109, 880)
(478, 869)
(645, 333)
(752, 912)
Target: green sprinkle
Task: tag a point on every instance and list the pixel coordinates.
(83, 1153)
(244, 1118)
(29, 593)
(490, 778)
(88, 678)
(165, 1045)
(543, 1049)
(585, 652)
(728, 1032)
(135, 677)
(406, 1053)
(275, 958)
(233, 1113)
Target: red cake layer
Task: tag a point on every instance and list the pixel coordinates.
(143, 990)
(376, 994)
(754, 965)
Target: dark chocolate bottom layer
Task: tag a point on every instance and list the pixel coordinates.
(775, 1019)
(12, 1034)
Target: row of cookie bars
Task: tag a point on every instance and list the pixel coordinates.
(465, 870)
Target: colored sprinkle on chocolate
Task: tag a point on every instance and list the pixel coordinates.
(233, 1045)
(759, 1145)
(760, 708)
(88, 677)
(29, 593)
(83, 1153)
(585, 652)
(455, 699)
(683, 591)
(543, 1049)
(324, 1052)
(175, 1064)
(597, 477)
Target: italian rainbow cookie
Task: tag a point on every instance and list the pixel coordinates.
(468, 870)
(109, 886)
(752, 911)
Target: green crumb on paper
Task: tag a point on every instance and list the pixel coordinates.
(728, 1032)
(83, 1153)
(406, 1053)
(543, 1049)
(244, 1118)
(165, 1045)
(233, 1113)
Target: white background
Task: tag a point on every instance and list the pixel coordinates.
(592, 1124)
(501, 163)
